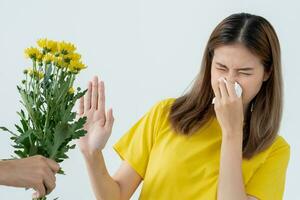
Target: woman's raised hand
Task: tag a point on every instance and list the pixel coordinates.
(99, 123)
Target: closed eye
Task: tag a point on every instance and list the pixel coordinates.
(242, 71)
(222, 69)
(245, 74)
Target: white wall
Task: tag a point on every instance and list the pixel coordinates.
(144, 51)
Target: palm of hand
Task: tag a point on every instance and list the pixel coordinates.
(98, 124)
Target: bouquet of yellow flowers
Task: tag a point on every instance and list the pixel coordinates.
(48, 124)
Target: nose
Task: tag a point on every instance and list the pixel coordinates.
(230, 79)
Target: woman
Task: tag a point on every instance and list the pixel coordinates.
(189, 148)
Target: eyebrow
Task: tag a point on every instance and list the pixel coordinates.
(242, 68)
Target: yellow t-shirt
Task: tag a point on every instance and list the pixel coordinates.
(176, 166)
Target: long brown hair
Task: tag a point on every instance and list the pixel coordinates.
(192, 110)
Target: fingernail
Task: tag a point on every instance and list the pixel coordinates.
(222, 79)
(35, 195)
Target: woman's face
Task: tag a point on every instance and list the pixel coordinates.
(236, 63)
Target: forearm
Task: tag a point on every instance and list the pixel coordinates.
(231, 184)
(104, 187)
(4, 171)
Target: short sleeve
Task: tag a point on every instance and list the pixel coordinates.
(136, 144)
(268, 182)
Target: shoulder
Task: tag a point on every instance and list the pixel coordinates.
(163, 105)
(166, 102)
(280, 143)
(160, 111)
(280, 147)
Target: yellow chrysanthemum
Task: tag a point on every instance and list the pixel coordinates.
(58, 61)
(61, 54)
(76, 66)
(40, 57)
(48, 58)
(72, 56)
(66, 47)
(71, 90)
(47, 45)
(33, 53)
(75, 56)
(35, 73)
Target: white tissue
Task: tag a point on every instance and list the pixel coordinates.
(237, 87)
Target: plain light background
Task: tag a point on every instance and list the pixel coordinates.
(145, 51)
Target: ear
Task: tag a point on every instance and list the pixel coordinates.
(267, 75)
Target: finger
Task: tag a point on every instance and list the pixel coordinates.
(101, 97)
(40, 190)
(223, 89)
(94, 103)
(109, 120)
(35, 195)
(87, 98)
(230, 89)
(216, 90)
(49, 181)
(53, 165)
(81, 106)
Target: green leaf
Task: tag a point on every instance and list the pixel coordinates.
(19, 129)
(60, 171)
(80, 94)
(61, 133)
(23, 136)
(5, 129)
(79, 134)
(20, 153)
(23, 120)
(28, 104)
(18, 146)
(33, 150)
